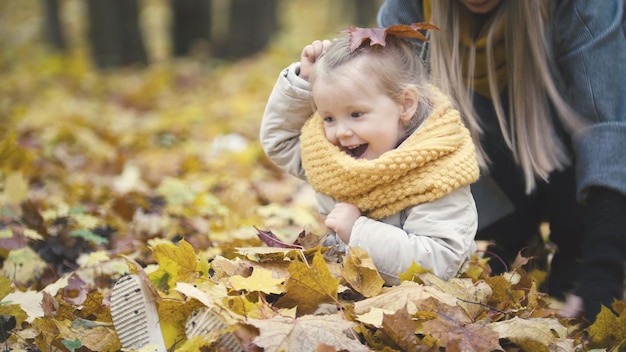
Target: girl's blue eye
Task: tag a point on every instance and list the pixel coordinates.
(356, 114)
(329, 119)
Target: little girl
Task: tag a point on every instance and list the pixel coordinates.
(386, 152)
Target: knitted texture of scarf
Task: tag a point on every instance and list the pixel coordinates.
(432, 162)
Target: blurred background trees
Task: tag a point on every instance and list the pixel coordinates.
(118, 31)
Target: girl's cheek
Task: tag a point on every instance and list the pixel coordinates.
(330, 135)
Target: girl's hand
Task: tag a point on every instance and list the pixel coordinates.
(341, 220)
(310, 54)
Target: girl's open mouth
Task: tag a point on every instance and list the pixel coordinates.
(355, 151)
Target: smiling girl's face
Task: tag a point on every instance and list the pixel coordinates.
(358, 117)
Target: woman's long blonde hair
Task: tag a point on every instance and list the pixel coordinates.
(531, 135)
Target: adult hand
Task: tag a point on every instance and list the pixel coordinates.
(309, 56)
(341, 220)
(604, 251)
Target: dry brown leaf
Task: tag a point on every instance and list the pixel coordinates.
(473, 296)
(534, 334)
(451, 329)
(402, 329)
(406, 294)
(305, 333)
(93, 335)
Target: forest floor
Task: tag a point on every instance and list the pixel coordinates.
(158, 171)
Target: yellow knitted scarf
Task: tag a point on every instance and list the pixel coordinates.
(435, 160)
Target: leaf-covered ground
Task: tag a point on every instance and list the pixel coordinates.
(159, 172)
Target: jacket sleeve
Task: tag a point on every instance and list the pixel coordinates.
(288, 107)
(590, 44)
(438, 235)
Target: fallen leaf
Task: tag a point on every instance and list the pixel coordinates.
(261, 280)
(378, 36)
(28, 301)
(406, 294)
(23, 266)
(15, 189)
(455, 334)
(75, 292)
(361, 274)
(608, 329)
(309, 286)
(473, 296)
(205, 292)
(534, 334)
(413, 273)
(402, 329)
(305, 334)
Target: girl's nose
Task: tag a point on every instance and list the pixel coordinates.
(343, 130)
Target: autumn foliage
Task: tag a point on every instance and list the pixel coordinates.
(158, 172)
(378, 35)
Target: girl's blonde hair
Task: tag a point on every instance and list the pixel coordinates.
(531, 134)
(393, 68)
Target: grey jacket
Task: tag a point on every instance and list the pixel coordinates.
(589, 42)
(438, 235)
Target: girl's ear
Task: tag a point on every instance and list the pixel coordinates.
(408, 102)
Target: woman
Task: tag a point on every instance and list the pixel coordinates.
(542, 88)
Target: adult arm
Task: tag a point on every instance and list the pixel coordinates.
(437, 235)
(591, 48)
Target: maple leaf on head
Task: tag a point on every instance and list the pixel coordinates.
(378, 36)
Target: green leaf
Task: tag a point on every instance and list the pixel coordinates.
(72, 345)
(89, 236)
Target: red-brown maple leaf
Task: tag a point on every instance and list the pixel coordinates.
(378, 36)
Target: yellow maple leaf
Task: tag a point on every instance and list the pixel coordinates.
(5, 287)
(95, 258)
(179, 262)
(360, 272)
(412, 273)
(23, 266)
(172, 317)
(608, 329)
(205, 292)
(261, 280)
(309, 286)
(15, 189)
(477, 268)
(13, 156)
(13, 310)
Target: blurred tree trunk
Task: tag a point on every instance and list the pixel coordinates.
(52, 27)
(191, 24)
(251, 25)
(114, 33)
